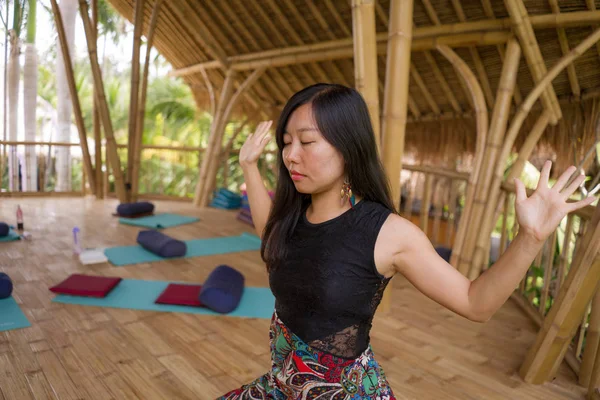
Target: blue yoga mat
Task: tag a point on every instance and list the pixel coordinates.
(12, 235)
(135, 294)
(159, 221)
(11, 316)
(127, 255)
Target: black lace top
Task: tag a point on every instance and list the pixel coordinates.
(328, 289)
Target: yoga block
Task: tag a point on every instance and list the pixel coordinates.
(86, 285)
(180, 295)
(161, 244)
(4, 229)
(130, 209)
(6, 286)
(222, 290)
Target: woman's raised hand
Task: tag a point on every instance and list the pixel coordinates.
(255, 144)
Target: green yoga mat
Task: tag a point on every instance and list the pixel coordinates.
(11, 316)
(127, 255)
(159, 221)
(135, 294)
(12, 235)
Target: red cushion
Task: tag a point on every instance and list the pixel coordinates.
(180, 295)
(86, 285)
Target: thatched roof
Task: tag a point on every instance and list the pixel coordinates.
(209, 33)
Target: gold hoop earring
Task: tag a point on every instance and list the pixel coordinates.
(346, 193)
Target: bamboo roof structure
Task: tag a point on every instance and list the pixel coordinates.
(301, 42)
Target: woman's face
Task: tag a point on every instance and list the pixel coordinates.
(315, 166)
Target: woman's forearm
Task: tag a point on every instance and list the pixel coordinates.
(493, 287)
(258, 197)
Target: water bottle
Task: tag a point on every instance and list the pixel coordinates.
(19, 218)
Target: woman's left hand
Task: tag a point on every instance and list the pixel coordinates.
(540, 214)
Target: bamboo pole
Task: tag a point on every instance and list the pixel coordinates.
(421, 84)
(220, 129)
(564, 47)
(487, 219)
(141, 108)
(531, 50)
(563, 259)
(552, 342)
(365, 59)
(111, 148)
(87, 161)
(395, 102)
(98, 190)
(426, 202)
(591, 344)
(473, 210)
(138, 25)
(551, 244)
(437, 171)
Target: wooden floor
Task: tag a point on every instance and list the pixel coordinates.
(77, 352)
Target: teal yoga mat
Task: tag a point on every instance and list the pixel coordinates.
(12, 235)
(136, 294)
(11, 316)
(127, 255)
(159, 221)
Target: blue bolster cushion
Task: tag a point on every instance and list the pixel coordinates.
(6, 286)
(4, 228)
(161, 244)
(142, 207)
(222, 290)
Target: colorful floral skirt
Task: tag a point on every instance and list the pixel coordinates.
(299, 371)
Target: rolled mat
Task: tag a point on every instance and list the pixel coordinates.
(12, 235)
(159, 221)
(11, 316)
(136, 294)
(128, 255)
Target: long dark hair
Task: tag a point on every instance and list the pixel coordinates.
(343, 118)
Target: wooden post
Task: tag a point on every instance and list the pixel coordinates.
(365, 59)
(461, 256)
(87, 161)
(99, 178)
(552, 342)
(138, 24)
(111, 146)
(395, 102)
(487, 221)
(141, 111)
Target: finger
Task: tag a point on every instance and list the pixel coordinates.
(260, 130)
(520, 191)
(581, 203)
(564, 178)
(569, 190)
(545, 175)
(266, 128)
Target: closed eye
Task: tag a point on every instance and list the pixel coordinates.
(307, 142)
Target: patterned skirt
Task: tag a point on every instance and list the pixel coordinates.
(299, 371)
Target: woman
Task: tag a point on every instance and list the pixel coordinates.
(332, 240)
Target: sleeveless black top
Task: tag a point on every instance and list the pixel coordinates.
(328, 288)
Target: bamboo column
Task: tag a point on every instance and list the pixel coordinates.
(470, 218)
(531, 50)
(487, 221)
(138, 25)
(226, 92)
(220, 130)
(87, 161)
(591, 343)
(395, 102)
(111, 145)
(365, 59)
(99, 191)
(141, 109)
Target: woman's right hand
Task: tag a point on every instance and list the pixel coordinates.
(255, 144)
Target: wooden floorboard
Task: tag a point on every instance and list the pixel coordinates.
(77, 352)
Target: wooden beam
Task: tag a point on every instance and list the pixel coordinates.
(365, 59)
(564, 47)
(87, 161)
(134, 96)
(591, 4)
(487, 221)
(531, 50)
(590, 352)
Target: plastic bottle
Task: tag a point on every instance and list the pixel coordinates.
(19, 218)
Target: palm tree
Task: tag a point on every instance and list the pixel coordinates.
(14, 72)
